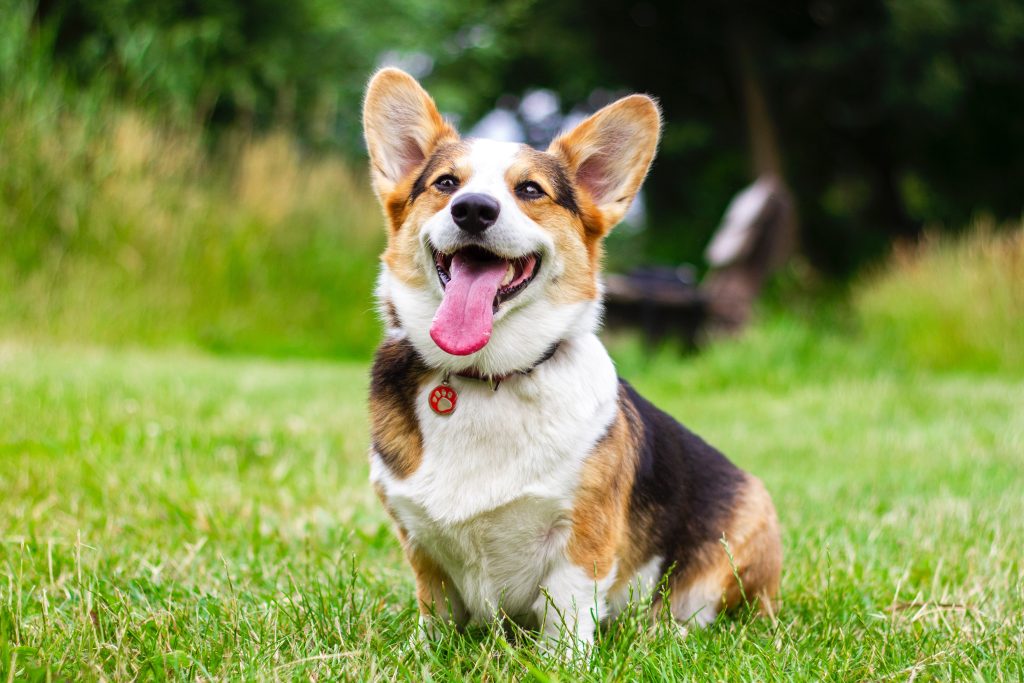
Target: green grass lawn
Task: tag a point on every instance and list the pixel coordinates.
(172, 515)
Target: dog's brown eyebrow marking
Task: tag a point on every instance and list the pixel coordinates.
(444, 155)
(556, 175)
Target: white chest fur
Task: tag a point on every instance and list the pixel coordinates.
(491, 497)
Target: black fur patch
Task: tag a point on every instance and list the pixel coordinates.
(684, 489)
(394, 384)
(390, 313)
(392, 459)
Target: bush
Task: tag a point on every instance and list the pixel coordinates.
(951, 303)
(118, 228)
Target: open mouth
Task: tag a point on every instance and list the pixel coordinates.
(517, 275)
(475, 282)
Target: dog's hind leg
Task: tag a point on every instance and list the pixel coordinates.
(743, 567)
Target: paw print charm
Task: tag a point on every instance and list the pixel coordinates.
(443, 399)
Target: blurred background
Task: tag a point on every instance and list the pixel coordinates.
(192, 173)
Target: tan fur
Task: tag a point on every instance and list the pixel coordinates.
(399, 438)
(600, 515)
(404, 218)
(577, 246)
(435, 594)
(403, 252)
(610, 152)
(607, 157)
(752, 536)
(402, 127)
(396, 433)
(753, 539)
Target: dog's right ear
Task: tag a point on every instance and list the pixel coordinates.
(402, 127)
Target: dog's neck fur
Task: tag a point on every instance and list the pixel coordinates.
(520, 437)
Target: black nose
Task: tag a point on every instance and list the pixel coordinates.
(475, 212)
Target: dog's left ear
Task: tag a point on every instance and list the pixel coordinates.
(610, 152)
(402, 127)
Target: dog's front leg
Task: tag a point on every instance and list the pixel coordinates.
(439, 601)
(571, 604)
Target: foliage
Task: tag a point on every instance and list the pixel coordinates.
(951, 303)
(119, 228)
(299, 65)
(174, 516)
(123, 224)
(889, 115)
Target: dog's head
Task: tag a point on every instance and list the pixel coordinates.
(494, 248)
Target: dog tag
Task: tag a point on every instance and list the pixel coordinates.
(443, 398)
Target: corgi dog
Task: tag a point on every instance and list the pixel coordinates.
(526, 480)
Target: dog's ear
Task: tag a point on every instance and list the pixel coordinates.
(402, 127)
(609, 153)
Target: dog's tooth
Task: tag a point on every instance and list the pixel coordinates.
(509, 275)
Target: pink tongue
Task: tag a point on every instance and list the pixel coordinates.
(462, 324)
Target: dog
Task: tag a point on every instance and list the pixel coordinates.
(525, 479)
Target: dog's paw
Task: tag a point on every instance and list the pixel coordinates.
(442, 400)
(422, 638)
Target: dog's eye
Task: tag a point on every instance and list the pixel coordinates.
(447, 183)
(529, 190)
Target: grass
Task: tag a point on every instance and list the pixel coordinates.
(172, 515)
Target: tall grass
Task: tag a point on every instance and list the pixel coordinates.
(118, 228)
(951, 303)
